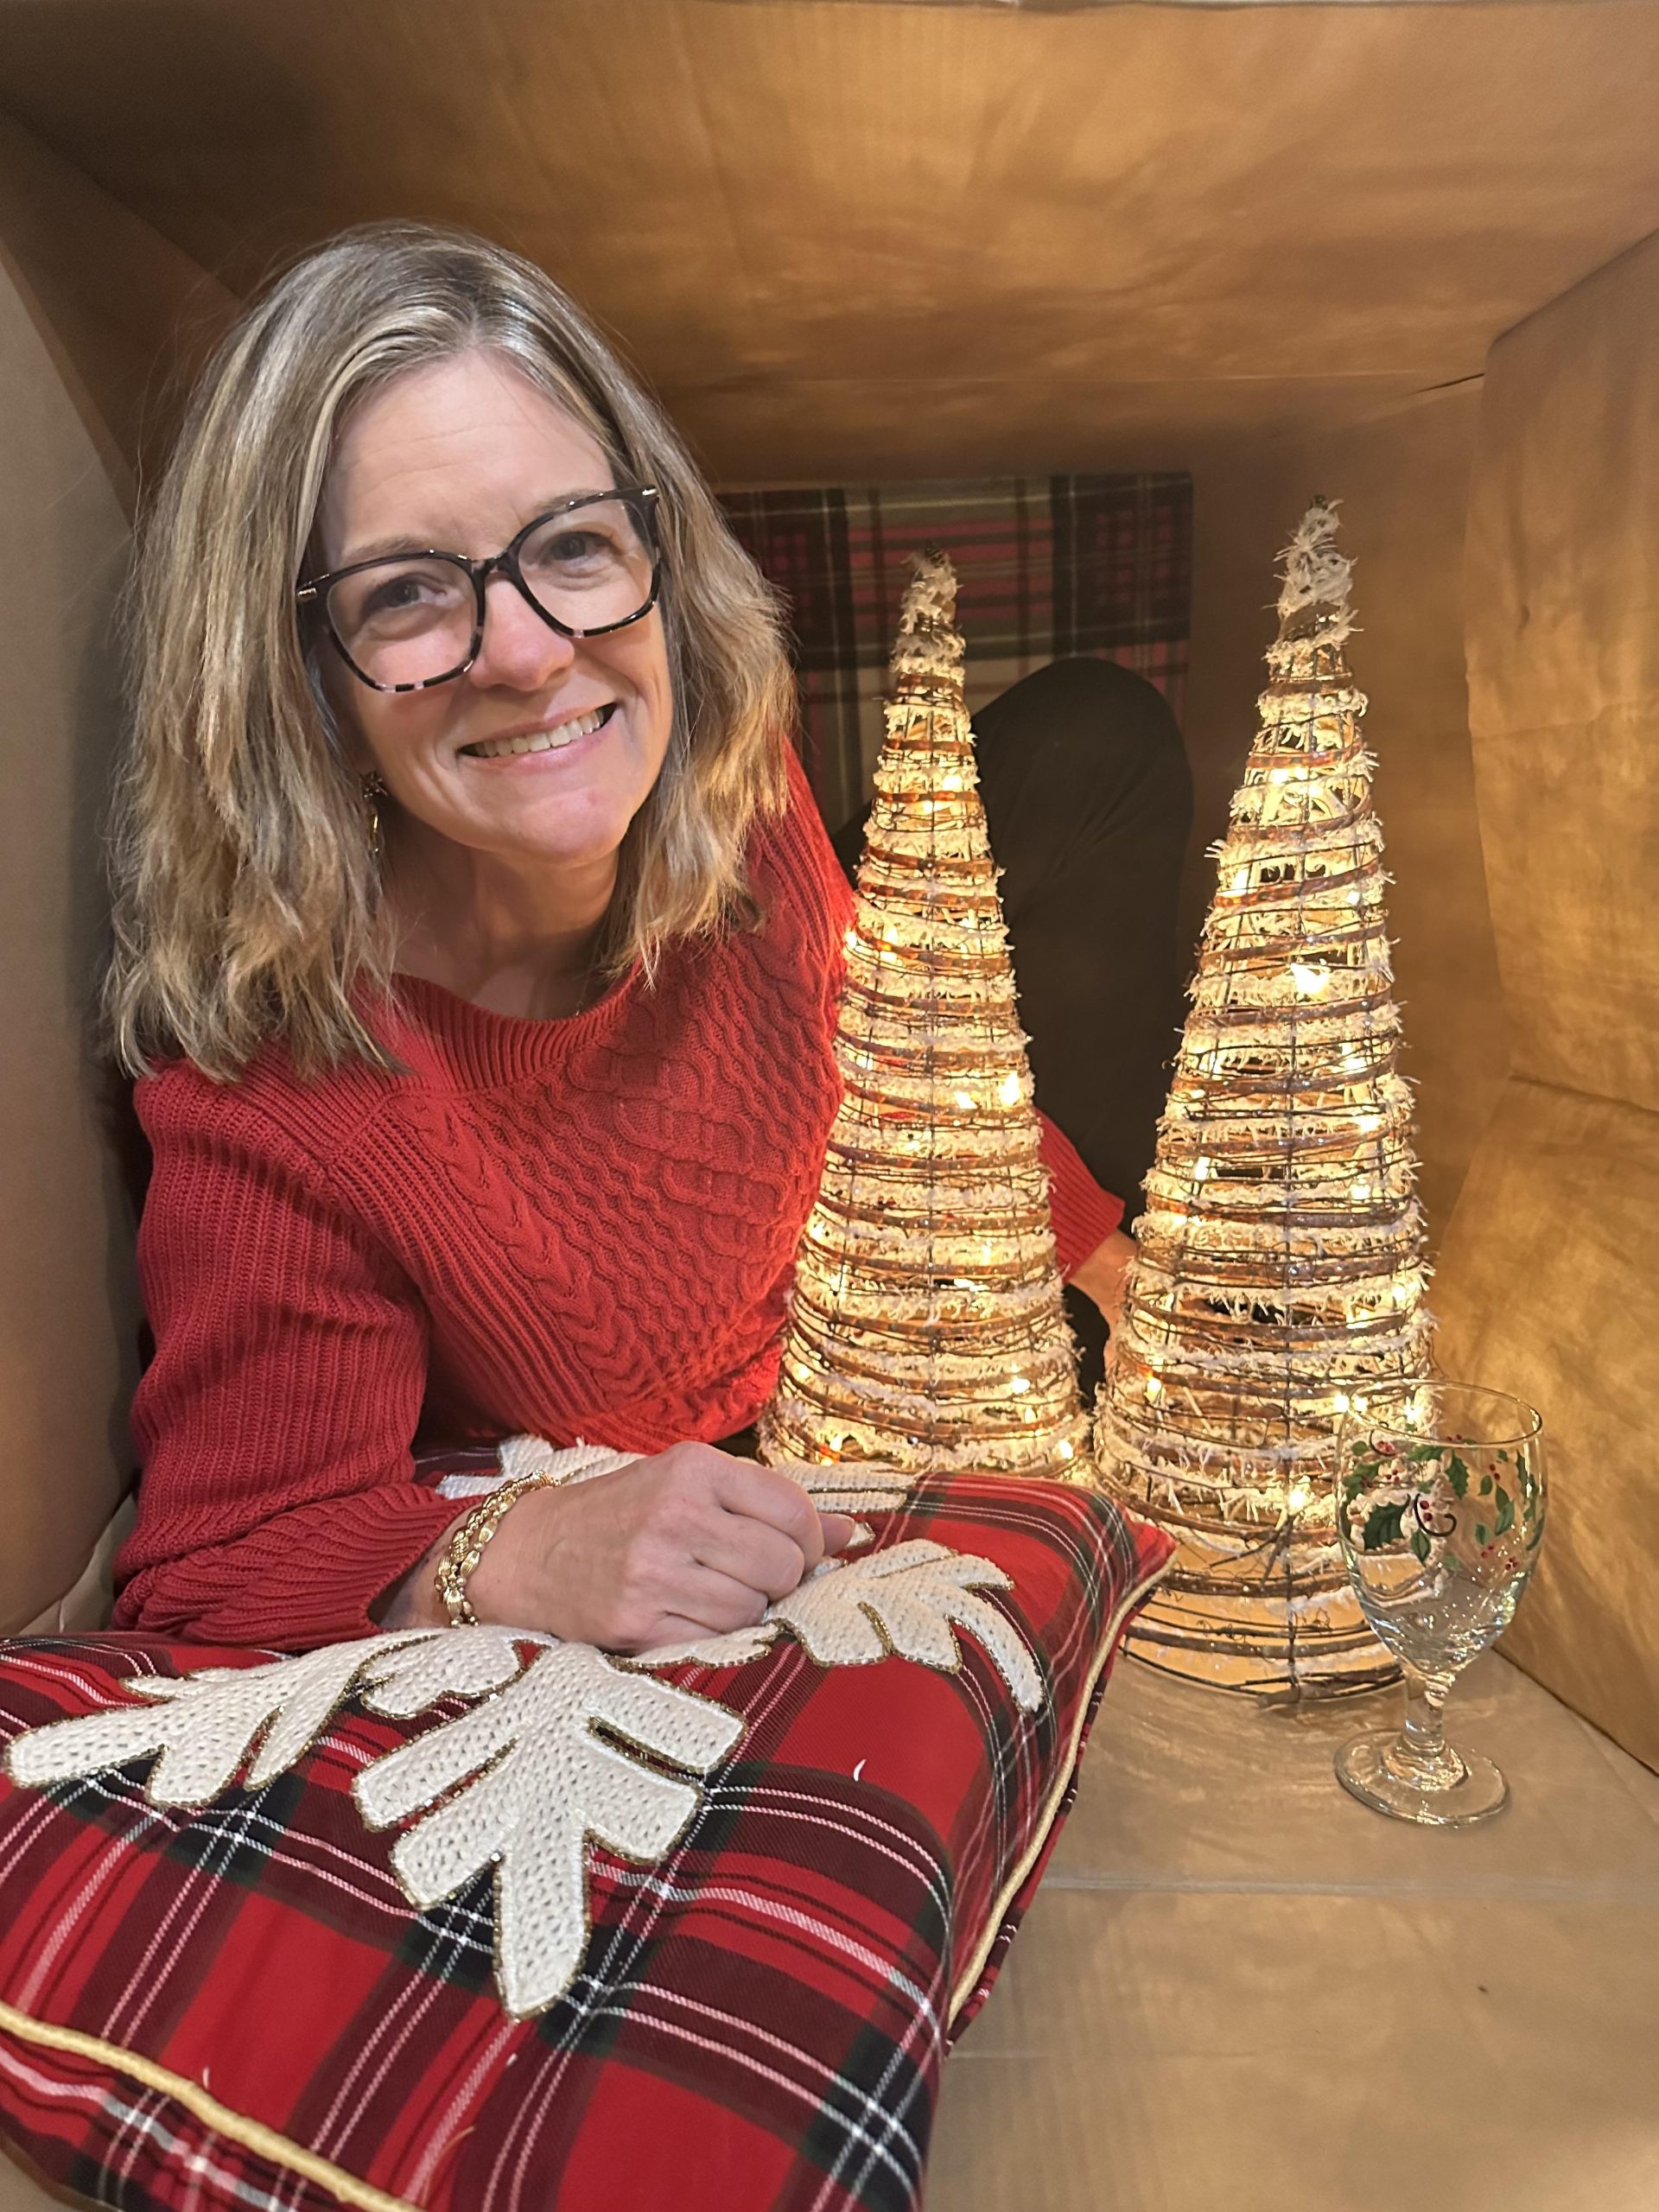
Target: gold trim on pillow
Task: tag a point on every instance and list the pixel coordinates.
(254, 2135)
(1016, 1881)
(237, 2127)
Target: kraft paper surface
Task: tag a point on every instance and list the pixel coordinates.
(1547, 1283)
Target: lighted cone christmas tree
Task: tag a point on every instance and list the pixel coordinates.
(1280, 1271)
(926, 1329)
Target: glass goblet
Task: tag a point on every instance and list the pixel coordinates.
(1439, 1499)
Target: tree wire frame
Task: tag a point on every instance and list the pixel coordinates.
(913, 1348)
(1265, 1292)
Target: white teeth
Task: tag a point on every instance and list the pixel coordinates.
(541, 740)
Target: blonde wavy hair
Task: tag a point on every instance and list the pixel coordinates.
(248, 907)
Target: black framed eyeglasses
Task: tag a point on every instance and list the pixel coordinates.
(590, 565)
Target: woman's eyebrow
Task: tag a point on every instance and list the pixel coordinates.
(379, 548)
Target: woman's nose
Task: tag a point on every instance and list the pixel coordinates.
(518, 649)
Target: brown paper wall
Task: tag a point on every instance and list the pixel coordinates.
(101, 322)
(67, 1314)
(1402, 480)
(1548, 1281)
(858, 244)
(125, 317)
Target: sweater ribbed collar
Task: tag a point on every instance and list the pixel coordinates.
(483, 1049)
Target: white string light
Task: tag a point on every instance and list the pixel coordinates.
(926, 1328)
(1280, 1267)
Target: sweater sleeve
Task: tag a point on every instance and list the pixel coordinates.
(278, 1498)
(1084, 1214)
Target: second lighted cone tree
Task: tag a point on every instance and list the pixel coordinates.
(926, 1329)
(1279, 1272)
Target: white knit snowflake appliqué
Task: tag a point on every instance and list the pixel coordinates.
(542, 1783)
(540, 1779)
(560, 1749)
(906, 1602)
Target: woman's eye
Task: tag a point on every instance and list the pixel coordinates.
(572, 547)
(405, 596)
(397, 592)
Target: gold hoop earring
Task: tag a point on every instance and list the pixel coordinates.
(374, 790)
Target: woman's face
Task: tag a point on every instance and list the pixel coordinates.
(457, 458)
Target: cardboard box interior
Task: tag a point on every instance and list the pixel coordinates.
(1272, 244)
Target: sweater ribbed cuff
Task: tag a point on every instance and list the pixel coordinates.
(1084, 1214)
(306, 1577)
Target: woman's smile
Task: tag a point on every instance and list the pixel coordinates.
(549, 741)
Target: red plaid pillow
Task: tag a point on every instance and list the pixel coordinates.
(488, 1923)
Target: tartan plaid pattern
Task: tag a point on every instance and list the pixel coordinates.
(1047, 567)
(236, 2010)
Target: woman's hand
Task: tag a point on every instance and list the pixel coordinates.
(689, 1543)
(1101, 1276)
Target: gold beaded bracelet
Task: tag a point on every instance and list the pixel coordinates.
(467, 1544)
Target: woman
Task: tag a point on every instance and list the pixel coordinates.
(477, 942)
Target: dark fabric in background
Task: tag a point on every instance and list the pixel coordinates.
(1088, 804)
(1048, 568)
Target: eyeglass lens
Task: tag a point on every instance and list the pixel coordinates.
(412, 619)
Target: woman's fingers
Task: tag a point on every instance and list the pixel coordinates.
(703, 1602)
(721, 1602)
(758, 1493)
(674, 1628)
(838, 1531)
(755, 1553)
(752, 1552)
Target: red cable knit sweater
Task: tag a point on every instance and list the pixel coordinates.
(580, 1228)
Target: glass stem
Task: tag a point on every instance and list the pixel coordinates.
(1422, 1755)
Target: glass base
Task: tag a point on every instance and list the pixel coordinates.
(1371, 1770)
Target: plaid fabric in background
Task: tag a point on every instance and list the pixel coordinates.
(1047, 567)
(236, 2009)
